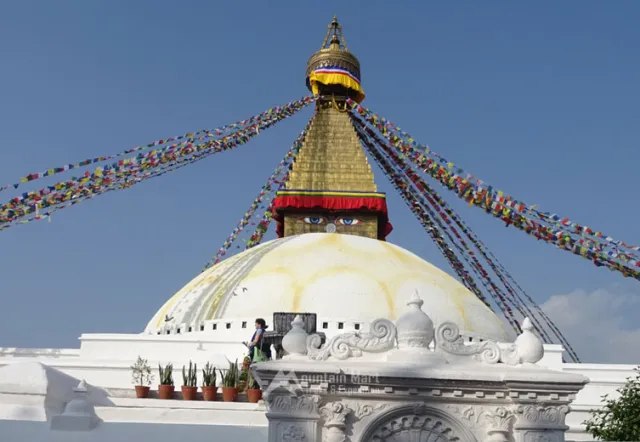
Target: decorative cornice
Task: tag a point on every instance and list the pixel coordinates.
(448, 340)
(380, 338)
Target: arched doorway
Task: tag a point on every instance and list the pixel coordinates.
(416, 423)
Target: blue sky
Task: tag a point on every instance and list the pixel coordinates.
(540, 99)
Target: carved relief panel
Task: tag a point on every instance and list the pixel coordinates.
(417, 423)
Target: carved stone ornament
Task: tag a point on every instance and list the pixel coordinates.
(293, 433)
(448, 340)
(415, 427)
(542, 415)
(335, 416)
(499, 424)
(380, 338)
(415, 327)
(360, 410)
(295, 341)
(527, 349)
(293, 404)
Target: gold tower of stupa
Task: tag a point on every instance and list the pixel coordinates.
(331, 187)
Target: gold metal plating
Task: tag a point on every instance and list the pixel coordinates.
(334, 52)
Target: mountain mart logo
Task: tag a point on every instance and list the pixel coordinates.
(336, 383)
(283, 381)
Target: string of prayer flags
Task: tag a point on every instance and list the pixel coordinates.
(127, 172)
(202, 134)
(509, 210)
(478, 192)
(439, 210)
(269, 188)
(434, 227)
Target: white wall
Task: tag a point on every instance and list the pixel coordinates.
(104, 360)
(29, 431)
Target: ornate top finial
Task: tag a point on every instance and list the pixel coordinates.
(415, 300)
(337, 41)
(333, 70)
(527, 325)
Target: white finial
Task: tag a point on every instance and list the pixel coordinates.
(295, 341)
(297, 322)
(415, 328)
(79, 413)
(82, 387)
(529, 347)
(415, 300)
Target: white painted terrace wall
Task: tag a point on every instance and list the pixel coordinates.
(104, 360)
(146, 420)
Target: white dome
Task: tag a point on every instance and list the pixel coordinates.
(332, 275)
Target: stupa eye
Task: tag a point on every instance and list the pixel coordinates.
(348, 221)
(314, 220)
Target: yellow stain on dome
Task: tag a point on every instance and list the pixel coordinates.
(460, 306)
(408, 258)
(304, 243)
(336, 270)
(302, 261)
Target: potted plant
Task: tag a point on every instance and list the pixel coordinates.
(246, 363)
(254, 393)
(166, 388)
(141, 377)
(209, 388)
(242, 380)
(230, 383)
(190, 382)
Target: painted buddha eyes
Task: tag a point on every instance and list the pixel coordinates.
(348, 221)
(319, 220)
(314, 220)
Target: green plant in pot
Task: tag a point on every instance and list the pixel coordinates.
(254, 393)
(230, 382)
(242, 380)
(209, 388)
(189, 382)
(141, 377)
(166, 387)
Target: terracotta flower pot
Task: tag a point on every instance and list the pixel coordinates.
(254, 395)
(142, 391)
(229, 394)
(189, 393)
(210, 392)
(166, 391)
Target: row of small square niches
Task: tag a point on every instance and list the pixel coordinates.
(235, 325)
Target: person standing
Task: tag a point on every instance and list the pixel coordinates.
(257, 341)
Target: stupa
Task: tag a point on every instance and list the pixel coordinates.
(332, 262)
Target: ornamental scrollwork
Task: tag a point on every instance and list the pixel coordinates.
(380, 338)
(426, 427)
(448, 340)
(496, 419)
(294, 404)
(360, 411)
(335, 414)
(543, 414)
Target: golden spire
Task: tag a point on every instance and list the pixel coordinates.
(331, 157)
(331, 187)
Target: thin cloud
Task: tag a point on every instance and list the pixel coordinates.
(600, 325)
